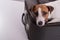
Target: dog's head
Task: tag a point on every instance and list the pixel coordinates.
(41, 13)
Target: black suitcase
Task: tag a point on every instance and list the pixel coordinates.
(48, 32)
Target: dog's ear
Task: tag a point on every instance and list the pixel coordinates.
(50, 8)
(32, 8)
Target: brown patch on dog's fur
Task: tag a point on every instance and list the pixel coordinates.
(43, 8)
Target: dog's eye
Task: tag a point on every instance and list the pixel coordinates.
(44, 13)
(36, 13)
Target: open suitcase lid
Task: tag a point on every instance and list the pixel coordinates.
(31, 3)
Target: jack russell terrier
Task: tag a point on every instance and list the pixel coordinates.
(43, 12)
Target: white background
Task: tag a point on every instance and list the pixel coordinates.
(11, 27)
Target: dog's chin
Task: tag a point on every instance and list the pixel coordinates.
(41, 25)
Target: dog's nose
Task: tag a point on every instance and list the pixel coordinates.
(40, 23)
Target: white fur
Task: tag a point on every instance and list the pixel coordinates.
(40, 17)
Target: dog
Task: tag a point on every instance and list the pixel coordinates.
(43, 12)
